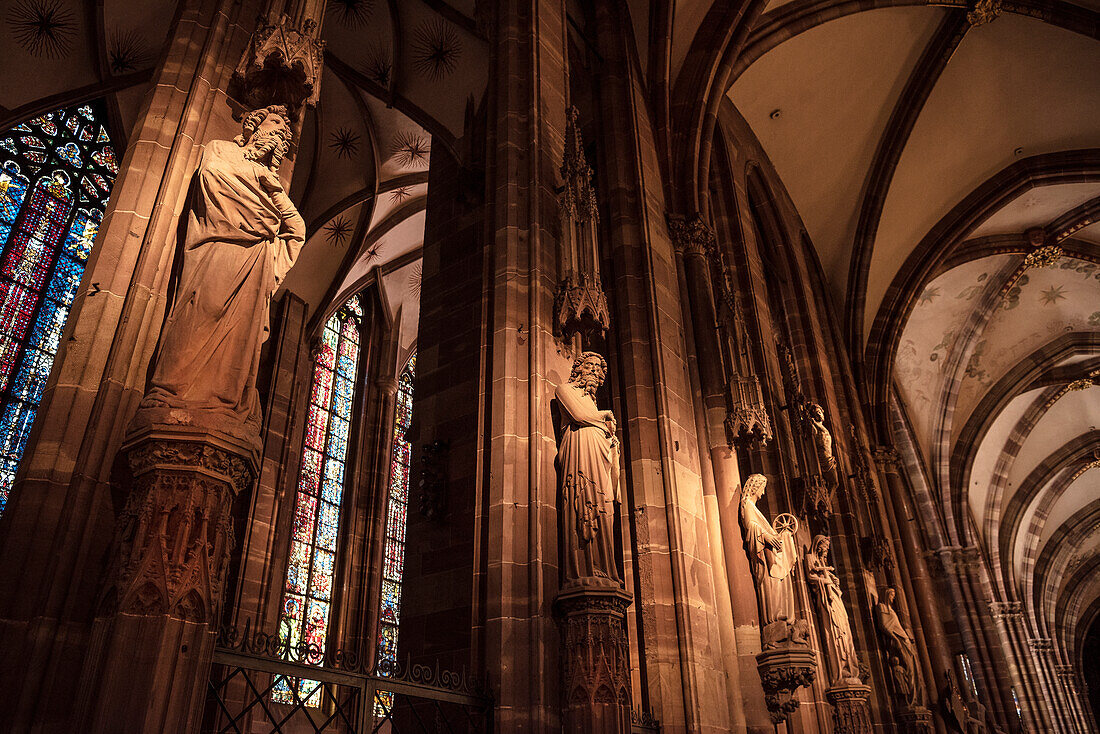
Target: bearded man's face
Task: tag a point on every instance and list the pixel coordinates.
(592, 375)
(269, 134)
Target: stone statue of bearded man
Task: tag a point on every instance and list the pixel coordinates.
(588, 473)
(242, 236)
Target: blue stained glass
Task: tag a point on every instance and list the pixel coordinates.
(63, 285)
(47, 228)
(70, 153)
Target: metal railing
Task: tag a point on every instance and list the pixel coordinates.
(334, 693)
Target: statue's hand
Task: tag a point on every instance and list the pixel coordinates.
(270, 181)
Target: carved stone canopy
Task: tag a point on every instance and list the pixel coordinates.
(282, 65)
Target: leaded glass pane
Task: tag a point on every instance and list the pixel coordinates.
(48, 221)
(315, 535)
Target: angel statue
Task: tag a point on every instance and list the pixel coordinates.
(840, 649)
(588, 471)
(772, 557)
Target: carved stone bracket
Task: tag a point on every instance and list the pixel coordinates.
(282, 65)
(916, 721)
(747, 420)
(851, 711)
(595, 657)
(877, 551)
(887, 459)
(175, 533)
(782, 672)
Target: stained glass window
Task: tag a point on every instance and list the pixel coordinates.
(307, 595)
(56, 173)
(393, 557)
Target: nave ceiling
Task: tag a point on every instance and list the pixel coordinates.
(919, 150)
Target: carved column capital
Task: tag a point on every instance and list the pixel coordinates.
(691, 236)
(887, 459)
(1006, 610)
(1040, 645)
(175, 534)
(982, 12)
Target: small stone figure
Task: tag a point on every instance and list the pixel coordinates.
(243, 234)
(823, 444)
(588, 472)
(772, 557)
(901, 658)
(840, 649)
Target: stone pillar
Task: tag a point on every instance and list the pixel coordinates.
(595, 694)
(153, 644)
(851, 712)
(153, 636)
(57, 529)
(1040, 653)
(1033, 705)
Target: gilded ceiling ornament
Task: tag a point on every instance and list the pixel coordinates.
(1043, 257)
(983, 11)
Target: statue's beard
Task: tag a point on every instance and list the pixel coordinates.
(260, 146)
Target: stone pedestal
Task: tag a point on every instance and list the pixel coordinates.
(153, 638)
(916, 721)
(851, 712)
(783, 671)
(595, 693)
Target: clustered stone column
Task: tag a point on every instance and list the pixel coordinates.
(194, 446)
(592, 603)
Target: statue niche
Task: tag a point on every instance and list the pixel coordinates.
(772, 558)
(901, 657)
(242, 235)
(840, 648)
(588, 479)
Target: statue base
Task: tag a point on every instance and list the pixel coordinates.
(917, 720)
(153, 637)
(851, 711)
(783, 670)
(595, 662)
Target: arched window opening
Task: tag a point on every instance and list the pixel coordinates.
(307, 595)
(393, 564)
(56, 173)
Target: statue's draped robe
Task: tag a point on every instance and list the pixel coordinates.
(243, 235)
(770, 568)
(838, 629)
(899, 645)
(588, 471)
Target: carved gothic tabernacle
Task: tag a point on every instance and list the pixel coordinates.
(580, 306)
(282, 65)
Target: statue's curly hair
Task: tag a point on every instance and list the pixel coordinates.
(251, 123)
(754, 484)
(579, 362)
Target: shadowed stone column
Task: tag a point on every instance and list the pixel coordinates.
(154, 643)
(194, 445)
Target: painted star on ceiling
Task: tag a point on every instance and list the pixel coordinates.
(1052, 295)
